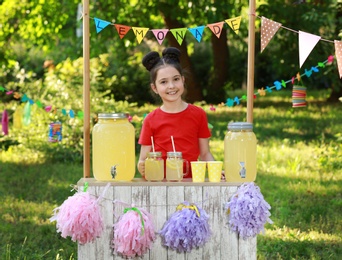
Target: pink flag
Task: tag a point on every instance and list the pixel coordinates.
(338, 53)
(216, 28)
(307, 42)
(268, 29)
(4, 122)
(160, 34)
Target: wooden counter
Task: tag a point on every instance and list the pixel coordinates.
(161, 200)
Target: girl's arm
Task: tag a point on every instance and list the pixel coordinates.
(143, 154)
(205, 154)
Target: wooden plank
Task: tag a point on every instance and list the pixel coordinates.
(212, 205)
(175, 196)
(103, 246)
(158, 210)
(229, 239)
(193, 194)
(247, 248)
(161, 202)
(142, 182)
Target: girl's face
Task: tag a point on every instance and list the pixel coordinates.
(169, 84)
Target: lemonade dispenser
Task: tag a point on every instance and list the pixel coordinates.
(113, 142)
(240, 147)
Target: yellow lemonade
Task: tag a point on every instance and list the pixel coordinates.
(113, 143)
(174, 168)
(154, 167)
(240, 154)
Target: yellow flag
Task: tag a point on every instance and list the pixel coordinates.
(18, 117)
(140, 33)
(234, 23)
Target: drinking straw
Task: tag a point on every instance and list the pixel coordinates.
(173, 144)
(152, 143)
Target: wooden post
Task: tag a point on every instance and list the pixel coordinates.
(251, 54)
(86, 91)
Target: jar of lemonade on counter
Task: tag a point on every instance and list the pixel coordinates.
(240, 147)
(154, 167)
(113, 142)
(174, 166)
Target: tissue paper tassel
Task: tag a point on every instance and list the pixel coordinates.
(130, 237)
(248, 211)
(79, 217)
(185, 230)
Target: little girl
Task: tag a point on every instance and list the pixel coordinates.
(187, 123)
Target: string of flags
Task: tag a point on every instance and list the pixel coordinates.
(278, 85)
(269, 28)
(22, 115)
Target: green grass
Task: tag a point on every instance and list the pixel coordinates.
(299, 173)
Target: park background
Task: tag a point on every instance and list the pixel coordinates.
(299, 149)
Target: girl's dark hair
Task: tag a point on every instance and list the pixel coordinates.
(153, 62)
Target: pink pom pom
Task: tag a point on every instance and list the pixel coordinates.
(133, 233)
(79, 217)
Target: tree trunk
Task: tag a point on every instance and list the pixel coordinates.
(221, 64)
(193, 88)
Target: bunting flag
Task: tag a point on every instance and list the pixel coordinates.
(100, 24)
(140, 33)
(160, 34)
(307, 42)
(179, 34)
(234, 23)
(268, 29)
(4, 122)
(27, 114)
(18, 117)
(338, 54)
(197, 32)
(122, 29)
(216, 28)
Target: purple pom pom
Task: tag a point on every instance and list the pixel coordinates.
(248, 211)
(186, 229)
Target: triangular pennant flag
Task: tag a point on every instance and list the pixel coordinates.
(4, 122)
(100, 24)
(307, 42)
(27, 114)
(179, 34)
(18, 117)
(197, 32)
(71, 113)
(122, 29)
(160, 34)
(140, 33)
(268, 29)
(216, 28)
(234, 23)
(338, 53)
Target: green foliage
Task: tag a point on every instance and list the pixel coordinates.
(299, 174)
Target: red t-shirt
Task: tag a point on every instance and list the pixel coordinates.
(186, 127)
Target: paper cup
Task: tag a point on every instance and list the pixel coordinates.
(215, 171)
(198, 171)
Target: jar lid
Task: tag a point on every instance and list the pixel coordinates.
(240, 126)
(174, 154)
(113, 115)
(154, 154)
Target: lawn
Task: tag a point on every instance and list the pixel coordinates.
(299, 173)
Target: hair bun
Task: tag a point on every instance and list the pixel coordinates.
(150, 60)
(172, 54)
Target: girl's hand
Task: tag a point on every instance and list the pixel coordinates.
(141, 167)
